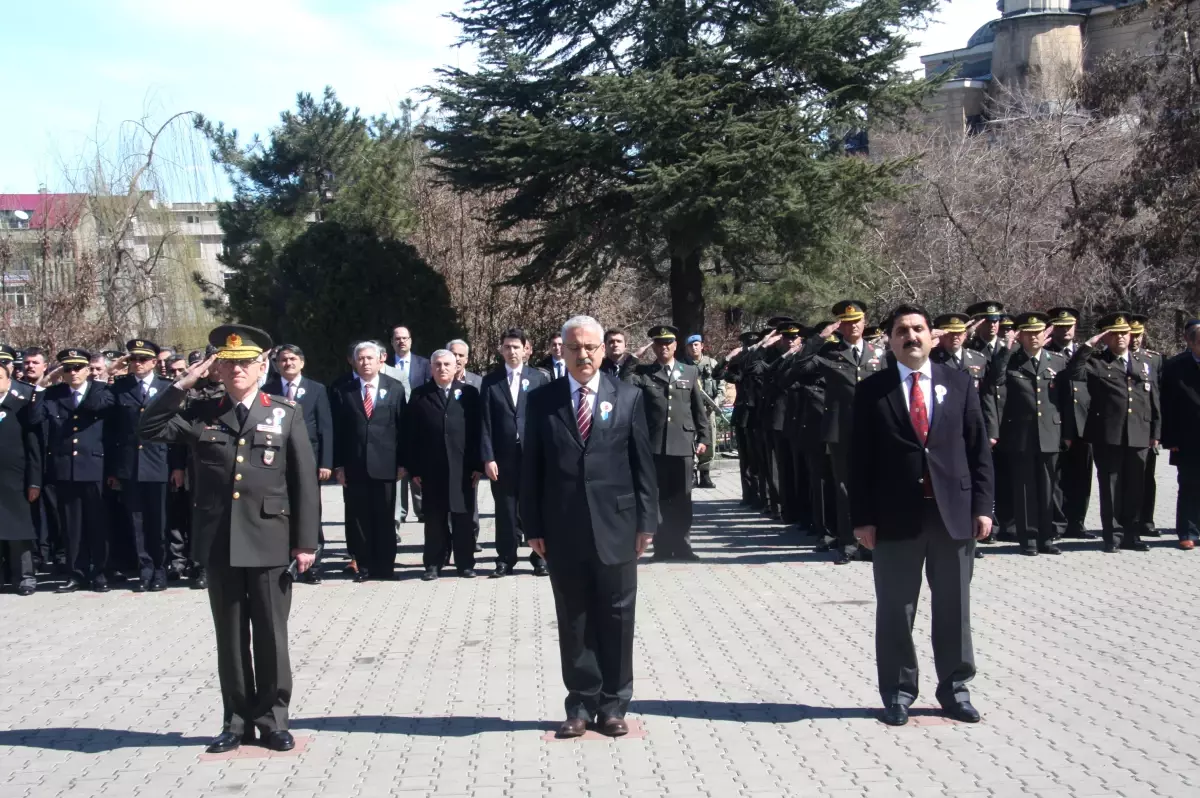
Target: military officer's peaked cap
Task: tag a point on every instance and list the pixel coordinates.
(7, 354)
(664, 332)
(74, 357)
(238, 342)
(749, 337)
(112, 354)
(1117, 321)
(140, 347)
(988, 309)
(1137, 323)
(1032, 321)
(952, 322)
(1006, 322)
(875, 332)
(850, 310)
(1063, 317)
(786, 326)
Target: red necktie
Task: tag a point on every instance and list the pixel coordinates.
(368, 402)
(917, 410)
(583, 414)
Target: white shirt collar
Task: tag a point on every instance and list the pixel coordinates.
(148, 380)
(593, 385)
(82, 390)
(248, 402)
(374, 382)
(509, 371)
(405, 360)
(925, 371)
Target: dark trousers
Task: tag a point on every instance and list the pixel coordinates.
(817, 462)
(250, 609)
(673, 538)
(1031, 476)
(179, 530)
(18, 561)
(594, 603)
(122, 551)
(409, 494)
(1149, 493)
(1075, 484)
(51, 545)
(1187, 504)
(1121, 477)
(948, 563)
(146, 505)
(783, 478)
(446, 532)
(508, 525)
(83, 517)
(768, 479)
(839, 458)
(801, 500)
(746, 465)
(371, 525)
(1006, 520)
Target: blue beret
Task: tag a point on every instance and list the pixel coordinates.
(694, 338)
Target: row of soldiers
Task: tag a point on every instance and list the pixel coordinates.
(1054, 408)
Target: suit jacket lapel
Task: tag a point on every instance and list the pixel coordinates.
(566, 412)
(228, 415)
(895, 398)
(506, 389)
(605, 393)
(934, 383)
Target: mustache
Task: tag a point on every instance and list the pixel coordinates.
(583, 361)
(913, 345)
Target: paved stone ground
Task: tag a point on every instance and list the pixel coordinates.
(755, 676)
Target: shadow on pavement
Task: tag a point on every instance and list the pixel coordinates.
(449, 726)
(95, 741)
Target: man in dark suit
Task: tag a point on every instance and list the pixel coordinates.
(367, 460)
(677, 421)
(504, 398)
(139, 471)
(313, 400)
(617, 358)
(589, 505)
(75, 411)
(553, 363)
(462, 355)
(1181, 433)
(922, 489)
(441, 455)
(412, 371)
(256, 510)
(1075, 463)
(20, 477)
(1122, 426)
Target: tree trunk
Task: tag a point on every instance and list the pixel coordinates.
(687, 294)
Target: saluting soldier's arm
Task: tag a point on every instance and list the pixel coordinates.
(1077, 365)
(168, 418)
(304, 491)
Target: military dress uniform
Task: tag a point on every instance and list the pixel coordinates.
(20, 470)
(778, 404)
(762, 378)
(255, 497)
(1137, 326)
(1181, 435)
(733, 370)
(678, 422)
(991, 310)
(840, 366)
(819, 501)
(1075, 463)
(1027, 426)
(1122, 422)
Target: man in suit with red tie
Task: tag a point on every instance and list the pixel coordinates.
(367, 453)
(504, 397)
(589, 504)
(921, 487)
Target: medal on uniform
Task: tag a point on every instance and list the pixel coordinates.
(279, 413)
(268, 456)
(605, 410)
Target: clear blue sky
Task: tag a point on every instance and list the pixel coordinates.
(76, 70)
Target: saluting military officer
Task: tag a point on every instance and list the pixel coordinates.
(1075, 461)
(678, 423)
(714, 389)
(841, 365)
(255, 508)
(1027, 428)
(1122, 425)
(733, 370)
(785, 343)
(1137, 343)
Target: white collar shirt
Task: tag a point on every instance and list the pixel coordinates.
(926, 383)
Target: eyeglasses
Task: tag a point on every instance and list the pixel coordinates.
(242, 364)
(590, 349)
(142, 359)
(72, 368)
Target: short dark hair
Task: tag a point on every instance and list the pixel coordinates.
(514, 332)
(176, 357)
(907, 309)
(610, 332)
(34, 351)
(295, 350)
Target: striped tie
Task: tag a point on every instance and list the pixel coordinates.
(368, 402)
(583, 415)
(291, 391)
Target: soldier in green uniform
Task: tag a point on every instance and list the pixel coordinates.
(1137, 343)
(840, 364)
(1027, 428)
(678, 424)
(714, 389)
(256, 501)
(1122, 426)
(1075, 461)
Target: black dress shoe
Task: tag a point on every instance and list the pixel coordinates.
(429, 575)
(361, 576)
(541, 570)
(279, 741)
(865, 555)
(613, 727)
(502, 570)
(200, 581)
(100, 584)
(478, 548)
(1029, 551)
(310, 577)
(961, 711)
(173, 575)
(1110, 548)
(1088, 535)
(688, 556)
(467, 573)
(895, 715)
(141, 586)
(1151, 532)
(70, 586)
(1137, 546)
(821, 547)
(989, 540)
(978, 554)
(225, 742)
(1049, 548)
(26, 590)
(158, 584)
(841, 558)
(571, 727)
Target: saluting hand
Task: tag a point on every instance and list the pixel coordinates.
(1095, 339)
(829, 328)
(195, 372)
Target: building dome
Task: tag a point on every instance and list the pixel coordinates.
(985, 35)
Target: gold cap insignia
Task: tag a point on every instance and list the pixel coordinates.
(1119, 320)
(233, 341)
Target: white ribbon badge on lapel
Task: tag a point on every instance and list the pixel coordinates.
(300, 393)
(382, 392)
(3, 415)
(457, 393)
(152, 391)
(605, 410)
(525, 385)
(939, 391)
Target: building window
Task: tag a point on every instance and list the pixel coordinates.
(17, 297)
(193, 219)
(15, 219)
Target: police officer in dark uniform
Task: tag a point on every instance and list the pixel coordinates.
(20, 477)
(807, 438)
(733, 370)
(255, 495)
(137, 470)
(1137, 343)
(1027, 428)
(1075, 461)
(784, 478)
(1122, 426)
(840, 365)
(678, 423)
